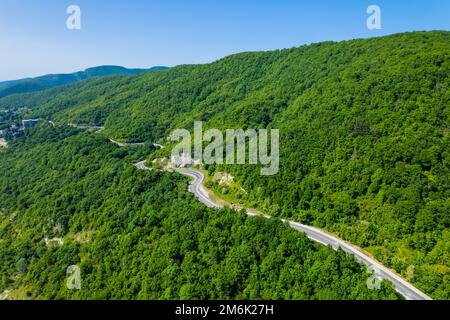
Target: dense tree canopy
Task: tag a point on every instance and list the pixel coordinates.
(141, 235)
(364, 130)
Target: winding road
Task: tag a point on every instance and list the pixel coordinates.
(127, 144)
(401, 285)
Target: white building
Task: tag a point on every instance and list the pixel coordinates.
(183, 161)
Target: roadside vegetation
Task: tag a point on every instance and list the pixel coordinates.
(365, 136)
(140, 235)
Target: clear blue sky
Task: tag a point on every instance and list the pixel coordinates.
(34, 39)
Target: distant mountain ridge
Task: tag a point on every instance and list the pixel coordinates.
(54, 80)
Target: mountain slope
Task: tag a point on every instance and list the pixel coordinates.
(54, 80)
(72, 198)
(365, 136)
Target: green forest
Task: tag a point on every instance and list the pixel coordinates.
(140, 234)
(56, 80)
(365, 154)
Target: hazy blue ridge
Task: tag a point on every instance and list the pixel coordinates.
(54, 80)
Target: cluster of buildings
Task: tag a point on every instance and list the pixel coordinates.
(16, 131)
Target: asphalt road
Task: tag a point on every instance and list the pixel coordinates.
(125, 144)
(401, 285)
(196, 187)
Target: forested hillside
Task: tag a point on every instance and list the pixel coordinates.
(364, 128)
(8, 88)
(74, 198)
